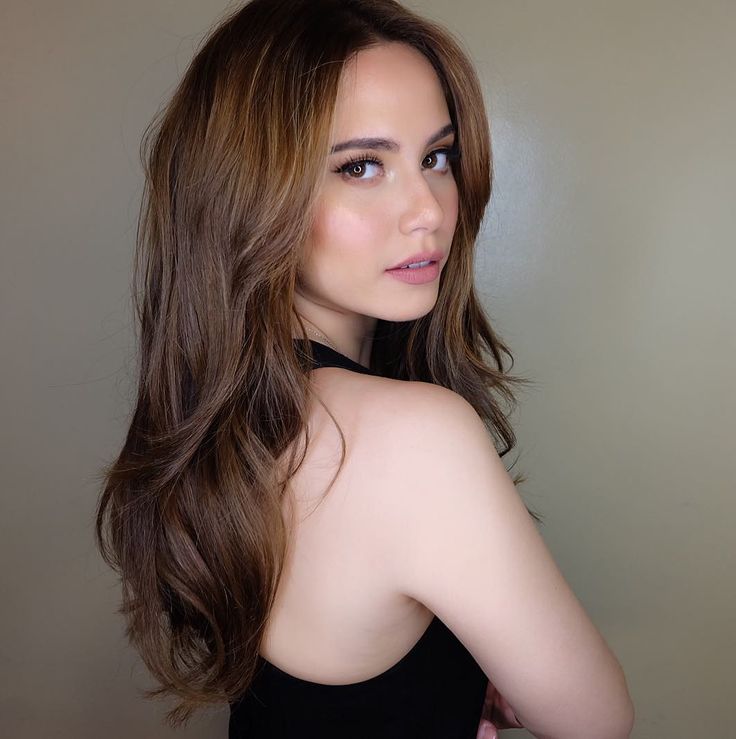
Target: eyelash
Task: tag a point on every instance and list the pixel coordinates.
(451, 152)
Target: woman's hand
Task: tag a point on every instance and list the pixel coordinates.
(497, 714)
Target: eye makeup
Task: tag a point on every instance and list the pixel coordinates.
(452, 153)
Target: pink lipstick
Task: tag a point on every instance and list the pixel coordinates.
(416, 275)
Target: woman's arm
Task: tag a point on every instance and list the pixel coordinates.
(466, 547)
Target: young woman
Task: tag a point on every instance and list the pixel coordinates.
(310, 513)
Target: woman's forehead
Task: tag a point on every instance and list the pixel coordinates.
(385, 67)
(390, 84)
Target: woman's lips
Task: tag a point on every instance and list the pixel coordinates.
(416, 275)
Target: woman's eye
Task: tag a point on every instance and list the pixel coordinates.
(355, 169)
(446, 155)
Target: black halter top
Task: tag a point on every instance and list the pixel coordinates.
(435, 691)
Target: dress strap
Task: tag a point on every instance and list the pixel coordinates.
(326, 356)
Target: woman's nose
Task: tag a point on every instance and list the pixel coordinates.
(422, 207)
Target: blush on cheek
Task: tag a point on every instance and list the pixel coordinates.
(330, 220)
(340, 229)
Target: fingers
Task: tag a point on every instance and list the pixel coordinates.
(490, 701)
(486, 730)
(503, 715)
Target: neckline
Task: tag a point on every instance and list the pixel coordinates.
(326, 356)
(434, 625)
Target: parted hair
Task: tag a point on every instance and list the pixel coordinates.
(190, 512)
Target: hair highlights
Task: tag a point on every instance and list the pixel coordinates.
(190, 513)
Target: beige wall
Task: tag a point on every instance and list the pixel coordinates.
(607, 262)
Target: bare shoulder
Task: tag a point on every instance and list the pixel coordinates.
(436, 426)
(436, 454)
(413, 405)
(397, 402)
(395, 416)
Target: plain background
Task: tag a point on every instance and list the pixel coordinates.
(607, 262)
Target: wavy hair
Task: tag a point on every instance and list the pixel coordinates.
(190, 513)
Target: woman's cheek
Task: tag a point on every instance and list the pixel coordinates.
(351, 226)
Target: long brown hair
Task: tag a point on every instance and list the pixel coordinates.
(190, 512)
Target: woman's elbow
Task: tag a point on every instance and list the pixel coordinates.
(627, 712)
(628, 716)
(610, 715)
(619, 723)
(618, 716)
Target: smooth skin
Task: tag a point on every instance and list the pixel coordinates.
(458, 538)
(372, 216)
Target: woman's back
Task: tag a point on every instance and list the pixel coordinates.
(345, 653)
(336, 618)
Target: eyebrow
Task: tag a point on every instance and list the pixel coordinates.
(387, 144)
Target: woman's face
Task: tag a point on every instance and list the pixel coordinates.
(393, 201)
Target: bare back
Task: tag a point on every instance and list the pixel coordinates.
(338, 617)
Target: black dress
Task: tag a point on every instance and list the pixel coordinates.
(436, 691)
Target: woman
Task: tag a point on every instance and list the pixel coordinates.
(310, 516)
